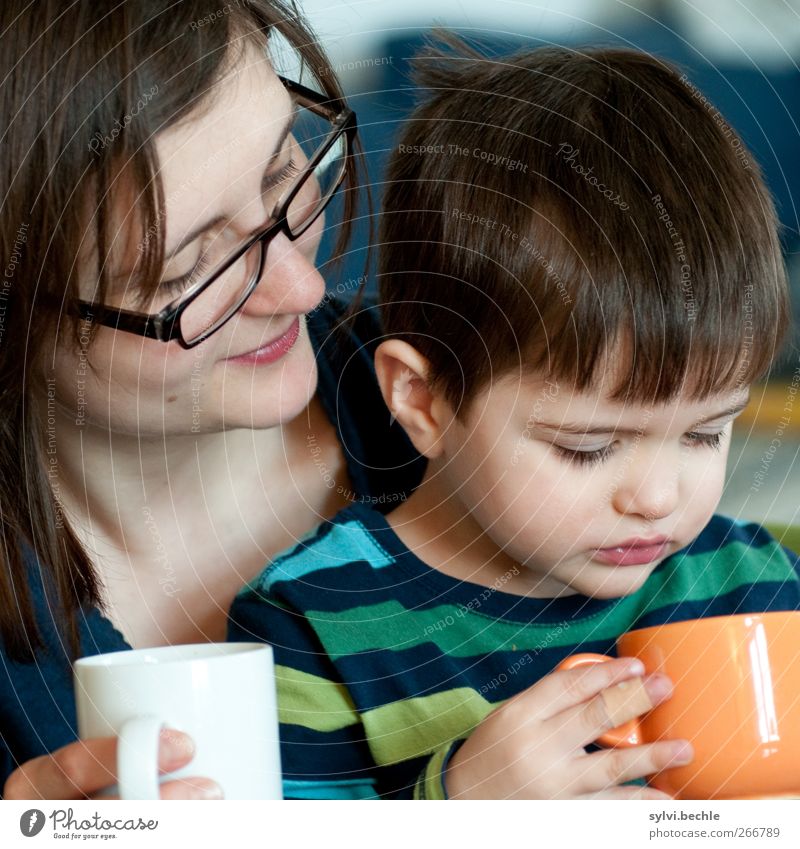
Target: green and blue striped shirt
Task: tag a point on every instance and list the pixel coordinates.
(384, 664)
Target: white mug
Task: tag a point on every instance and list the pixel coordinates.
(221, 694)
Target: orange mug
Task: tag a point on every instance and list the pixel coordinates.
(736, 698)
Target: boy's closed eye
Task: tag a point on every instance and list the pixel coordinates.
(573, 443)
(586, 456)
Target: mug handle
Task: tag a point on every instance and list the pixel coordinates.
(137, 758)
(623, 735)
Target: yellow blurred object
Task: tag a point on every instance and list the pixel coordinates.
(774, 406)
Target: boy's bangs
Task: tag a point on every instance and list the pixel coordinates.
(689, 286)
(659, 337)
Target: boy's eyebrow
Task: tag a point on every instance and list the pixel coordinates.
(575, 427)
(730, 411)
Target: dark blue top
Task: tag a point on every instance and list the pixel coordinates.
(37, 704)
(384, 664)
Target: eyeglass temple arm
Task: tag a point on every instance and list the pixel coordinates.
(151, 326)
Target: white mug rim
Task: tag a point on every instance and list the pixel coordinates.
(170, 655)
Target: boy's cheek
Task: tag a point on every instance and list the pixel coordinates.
(531, 475)
(705, 489)
(534, 498)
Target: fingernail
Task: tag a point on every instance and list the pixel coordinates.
(682, 753)
(205, 788)
(658, 687)
(635, 666)
(175, 747)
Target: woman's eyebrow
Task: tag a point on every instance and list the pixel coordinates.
(198, 231)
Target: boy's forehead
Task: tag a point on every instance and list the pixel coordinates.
(550, 400)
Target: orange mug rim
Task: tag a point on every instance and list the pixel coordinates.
(712, 620)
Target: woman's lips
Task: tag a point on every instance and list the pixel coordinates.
(632, 554)
(272, 351)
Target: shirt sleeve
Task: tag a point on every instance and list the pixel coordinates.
(324, 753)
(430, 784)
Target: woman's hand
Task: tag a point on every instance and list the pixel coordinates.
(533, 746)
(88, 767)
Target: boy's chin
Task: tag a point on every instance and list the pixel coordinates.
(608, 582)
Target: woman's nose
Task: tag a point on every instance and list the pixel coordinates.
(290, 281)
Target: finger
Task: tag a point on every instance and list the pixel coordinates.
(184, 788)
(191, 788)
(87, 766)
(603, 770)
(569, 687)
(649, 794)
(578, 726)
(625, 700)
(71, 772)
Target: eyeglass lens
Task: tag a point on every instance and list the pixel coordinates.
(215, 305)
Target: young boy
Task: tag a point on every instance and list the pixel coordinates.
(579, 282)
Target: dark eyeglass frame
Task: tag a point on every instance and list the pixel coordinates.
(165, 325)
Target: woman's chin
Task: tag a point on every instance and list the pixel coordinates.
(280, 395)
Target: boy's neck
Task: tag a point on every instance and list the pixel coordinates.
(436, 526)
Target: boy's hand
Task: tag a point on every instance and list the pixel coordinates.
(533, 746)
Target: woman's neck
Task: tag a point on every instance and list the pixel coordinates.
(176, 526)
(109, 483)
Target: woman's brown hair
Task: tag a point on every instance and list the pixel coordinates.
(72, 74)
(548, 209)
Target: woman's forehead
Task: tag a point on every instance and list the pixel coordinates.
(205, 158)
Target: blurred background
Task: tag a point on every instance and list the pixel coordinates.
(744, 55)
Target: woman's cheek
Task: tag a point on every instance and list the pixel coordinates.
(133, 383)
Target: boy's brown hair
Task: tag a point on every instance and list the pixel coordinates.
(546, 210)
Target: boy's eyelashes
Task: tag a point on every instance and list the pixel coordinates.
(582, 457)
(712, 440)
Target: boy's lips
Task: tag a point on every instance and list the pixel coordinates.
(633, 552)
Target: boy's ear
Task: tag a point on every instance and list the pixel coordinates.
(403, 376)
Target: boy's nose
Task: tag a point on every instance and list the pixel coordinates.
(650, 487)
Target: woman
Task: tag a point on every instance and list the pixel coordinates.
(175, 405)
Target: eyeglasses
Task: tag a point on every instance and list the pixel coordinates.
(325, 134)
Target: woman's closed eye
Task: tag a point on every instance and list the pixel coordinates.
(173, 288)
(590, 457)
(285, 173)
